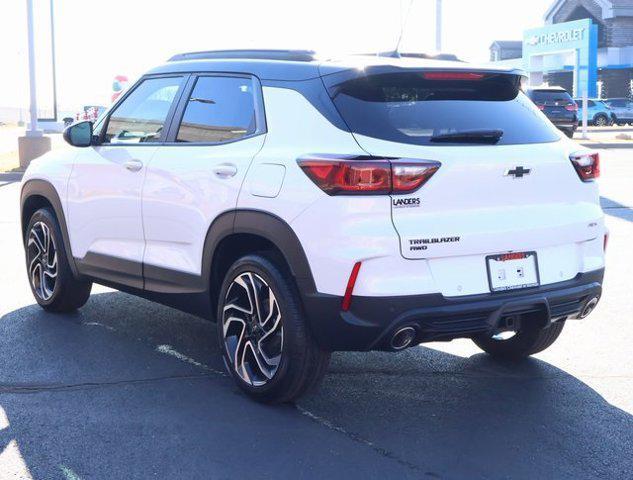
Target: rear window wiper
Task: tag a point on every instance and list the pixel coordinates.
(488, 137)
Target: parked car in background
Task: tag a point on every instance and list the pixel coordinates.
(622, 109)
(598, 112)
(557, 105)
(90, 113)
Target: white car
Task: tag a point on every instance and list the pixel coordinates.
(312, 206)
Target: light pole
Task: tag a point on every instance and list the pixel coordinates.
(33, 144)
(32, 130)
(438, 25)
(53, 61)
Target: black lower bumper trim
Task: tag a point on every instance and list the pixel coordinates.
(371, 321)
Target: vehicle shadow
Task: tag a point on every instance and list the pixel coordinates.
(91, 395)
(616, 209)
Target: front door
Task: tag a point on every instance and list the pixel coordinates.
(104, 194)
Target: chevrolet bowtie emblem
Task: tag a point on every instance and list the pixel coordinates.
(518, 172)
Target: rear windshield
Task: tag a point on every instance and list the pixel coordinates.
(550, 96)
(406, 107)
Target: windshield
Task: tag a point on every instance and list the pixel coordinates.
(408, 107)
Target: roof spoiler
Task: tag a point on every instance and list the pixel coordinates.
(427, 56)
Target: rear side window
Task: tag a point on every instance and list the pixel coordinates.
(220, 109)
(406, 107)
(140, 118)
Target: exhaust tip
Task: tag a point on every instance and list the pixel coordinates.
(589, 307)
(403, 338)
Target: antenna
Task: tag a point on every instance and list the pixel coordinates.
(403, 24)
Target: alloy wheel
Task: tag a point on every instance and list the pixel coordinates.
(42, 260)
(600, 121)
(252, 329)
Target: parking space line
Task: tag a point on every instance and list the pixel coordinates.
(169, 350)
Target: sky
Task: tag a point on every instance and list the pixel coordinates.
(98, 39)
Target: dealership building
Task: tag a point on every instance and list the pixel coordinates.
(584, 46)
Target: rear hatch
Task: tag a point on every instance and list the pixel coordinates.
(557, 105)
(506, 183)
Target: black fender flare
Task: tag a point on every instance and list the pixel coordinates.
(267, 226)
(46, 190)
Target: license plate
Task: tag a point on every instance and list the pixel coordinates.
(510, 271)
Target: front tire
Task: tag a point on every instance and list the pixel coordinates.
(527, 341)
(263, 335)
(52, 282)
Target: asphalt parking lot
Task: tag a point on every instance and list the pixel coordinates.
(130, 389)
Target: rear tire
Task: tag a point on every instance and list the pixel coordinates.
(52, 282)
(265, 341)
(526, 342)
(600, 120)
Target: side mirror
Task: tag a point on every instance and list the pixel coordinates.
(79, 134)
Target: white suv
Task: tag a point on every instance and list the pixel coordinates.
(314, 206)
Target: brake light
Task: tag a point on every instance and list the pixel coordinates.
(453, 76)
(541, 107)
(572, 107)
(367, 175)
(606, 242)
(587, 165)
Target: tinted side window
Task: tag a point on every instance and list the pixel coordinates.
(219, 109)
(141, 116)
(590, 103)
(617, 103)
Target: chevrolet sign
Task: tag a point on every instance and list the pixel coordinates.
(564, 36)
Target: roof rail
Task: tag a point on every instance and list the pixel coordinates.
(287, 55)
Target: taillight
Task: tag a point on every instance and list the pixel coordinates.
(453, 76)
(572, 107)
(541, 107)
(367, 175)
(605, 242)
(587, 165)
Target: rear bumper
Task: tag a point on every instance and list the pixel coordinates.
(371, 321)
(565, 125)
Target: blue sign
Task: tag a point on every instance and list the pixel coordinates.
(549, 48)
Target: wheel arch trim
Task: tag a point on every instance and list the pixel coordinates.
(268, 226)
(43, 188)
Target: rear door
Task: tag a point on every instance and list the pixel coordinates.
(514, 192)
(629, 110)
(196, 175)
(104, 191)
(619, 108)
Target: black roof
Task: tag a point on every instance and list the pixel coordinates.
(296, 65)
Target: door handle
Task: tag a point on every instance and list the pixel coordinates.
(133, 165)
(225, 170)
